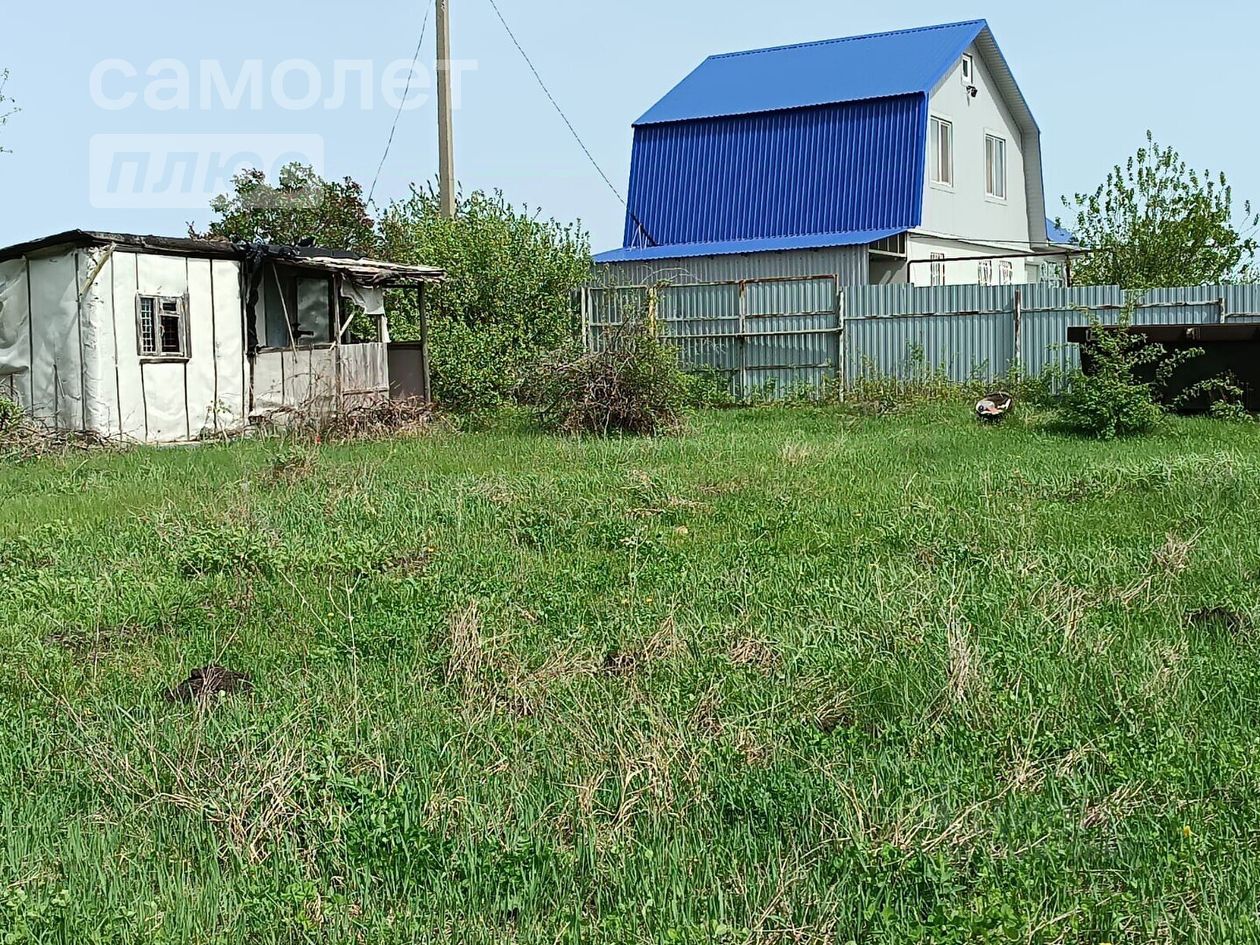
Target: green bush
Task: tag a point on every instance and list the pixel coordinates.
(1112, 399)
(632, 384)
(12, 417)
(509, 294)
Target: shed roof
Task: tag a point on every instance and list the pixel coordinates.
(850, 69)
(365, 271)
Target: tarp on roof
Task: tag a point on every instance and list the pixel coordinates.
(373, 272)
(1057, 235)
(853, 69)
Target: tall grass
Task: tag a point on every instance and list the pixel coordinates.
(798, 676)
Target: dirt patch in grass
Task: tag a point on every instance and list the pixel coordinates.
(207, 684)
(1221, 619)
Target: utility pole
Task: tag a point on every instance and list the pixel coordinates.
(446, 129)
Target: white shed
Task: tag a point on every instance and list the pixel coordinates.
(163, 340)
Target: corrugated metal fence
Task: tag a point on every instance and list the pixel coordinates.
(772, 336)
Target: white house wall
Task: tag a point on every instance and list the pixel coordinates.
(963, 262)
(964, 210)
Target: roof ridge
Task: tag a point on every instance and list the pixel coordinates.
(850, 39)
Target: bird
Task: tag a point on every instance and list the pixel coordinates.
(994, 406)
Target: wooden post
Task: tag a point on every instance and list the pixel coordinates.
(1017, 367)
(446, 125)
(425, 383)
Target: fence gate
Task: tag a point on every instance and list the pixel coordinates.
(767, 336)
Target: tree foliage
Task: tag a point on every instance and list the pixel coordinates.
(7, 108)
(511, 274)
(1156, 221)
(508, 298)
(300, 206)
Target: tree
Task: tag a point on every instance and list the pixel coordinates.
(300, 206)
(7, 108)
(1158, 222)
(508, 297)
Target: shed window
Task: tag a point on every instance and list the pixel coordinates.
(162, 325)
(986, 272)
(1006, 272)
(942, 152)
(995, 166)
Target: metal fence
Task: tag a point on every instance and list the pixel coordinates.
(773, 336)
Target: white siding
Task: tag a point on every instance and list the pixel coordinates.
(959, 270)
(963, 211)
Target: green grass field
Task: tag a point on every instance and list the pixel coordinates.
(797, 676)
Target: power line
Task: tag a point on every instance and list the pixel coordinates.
(401, 104)
(543, 85)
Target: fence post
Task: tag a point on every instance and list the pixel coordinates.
(585, 308)
(842, 345)
(743, 341)
(1016, 368)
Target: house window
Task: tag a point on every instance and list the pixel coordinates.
(938, 268)
(995, 166)
(163, 326)
(942, 152)
(968, 71)
(1006, 272)
(986, 272)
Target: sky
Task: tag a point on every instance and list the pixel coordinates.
(100, 85)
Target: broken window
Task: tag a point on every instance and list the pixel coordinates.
(162, 326)
(297, 309)
(314, 311)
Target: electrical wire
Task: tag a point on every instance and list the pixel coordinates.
(556, 105)
(401, 104)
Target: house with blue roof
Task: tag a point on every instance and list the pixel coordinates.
(901, 157)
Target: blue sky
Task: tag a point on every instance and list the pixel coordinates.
(1097, 75)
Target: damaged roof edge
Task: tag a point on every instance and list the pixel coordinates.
(370, 271)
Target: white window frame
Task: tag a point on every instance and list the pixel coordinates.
(937, 155)
(158, 305)
(984, 272)
(1006, 272)
(937, 268)
(968, 70)
(995, 151)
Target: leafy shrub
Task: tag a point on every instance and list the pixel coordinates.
(631, 384)
(1112, 399)
(12, 417)
(707, 387)
(508, 297)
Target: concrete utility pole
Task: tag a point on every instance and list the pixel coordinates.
(446, 128)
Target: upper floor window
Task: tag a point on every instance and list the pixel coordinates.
(968, 71)
(995, 166)
(942, 152)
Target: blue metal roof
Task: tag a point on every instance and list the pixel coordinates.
(834, 169)
(733, 247)
(853, 69)
(813, 145)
